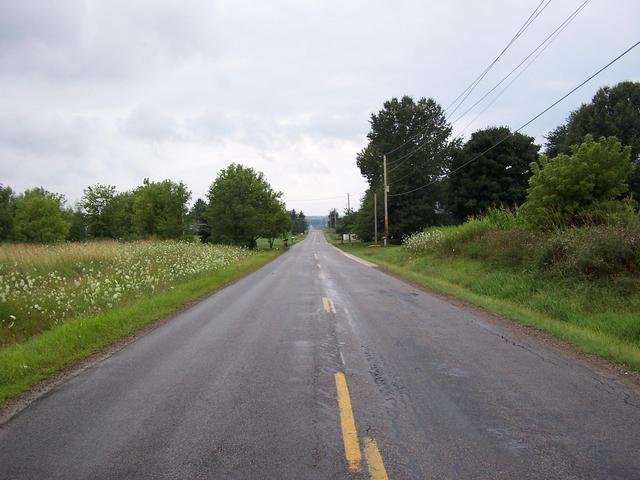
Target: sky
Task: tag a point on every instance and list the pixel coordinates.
(114, 91)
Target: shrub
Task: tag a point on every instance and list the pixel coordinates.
(423, 242)
(512, 248)
(446, 239)
(587, 184)
(591, 252)
(505, 219)
(588, 251)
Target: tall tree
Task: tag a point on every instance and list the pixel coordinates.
(363, 224)
(6, 212)
(160, 209)
(498, 177)
(420, 135)
(79, 230)
(278, 221)
(201, 227)
(97, 206)
(301, 225)
(613, 111)
(40, 217)
(298, 222)
(122, 206)
(239, 205)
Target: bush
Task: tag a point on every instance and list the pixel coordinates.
(446, 239)
(591, 252)
(500, 238)
(511, 248)
(584, 187)
(505, 219)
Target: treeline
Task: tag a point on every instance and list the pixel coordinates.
(240, 207)
(437, 179)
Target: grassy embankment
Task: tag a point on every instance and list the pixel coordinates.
(62, 303)
(581, 285)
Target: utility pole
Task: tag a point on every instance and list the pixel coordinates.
(349, 213)
(386, 211)
(375, 218)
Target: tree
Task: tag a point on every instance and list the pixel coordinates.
(363, 223)
(160, 209)
(240, 201)
(345, 225)
(333, 218)
(97, 206)
(613, 111)
(6, 212)
(498, 177)
(122, 206)
(278, 221)
(40, 217)
(583, 186)
(298, 222)
(79, 230)
(419, 133)
(199, 219)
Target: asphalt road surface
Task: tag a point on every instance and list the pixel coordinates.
(317, 366)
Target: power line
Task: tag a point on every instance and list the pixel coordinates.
(501, 92)
(545, 43)
(506, 137)
(481, 77)
(473, 84)
(403, 158)
(316, 199)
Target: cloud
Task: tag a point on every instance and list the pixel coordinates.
(148, 123)
(48, 134)
(116, 91)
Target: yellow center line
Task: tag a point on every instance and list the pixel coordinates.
(348, 424)
(374, 460)
(333, 307)
(325, 304)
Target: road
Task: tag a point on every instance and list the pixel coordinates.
(317, 366)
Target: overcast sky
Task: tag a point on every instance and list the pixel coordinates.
(116, 91)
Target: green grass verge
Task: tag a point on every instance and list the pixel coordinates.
(23, 365)
(597, 317)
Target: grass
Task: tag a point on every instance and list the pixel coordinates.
(278, 244)
(29, 359)
(596, 315)
(44, 286)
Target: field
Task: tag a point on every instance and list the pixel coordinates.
(580, 285)
(60, 303)
(43, 285)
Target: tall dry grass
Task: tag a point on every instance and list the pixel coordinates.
(44, 285)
